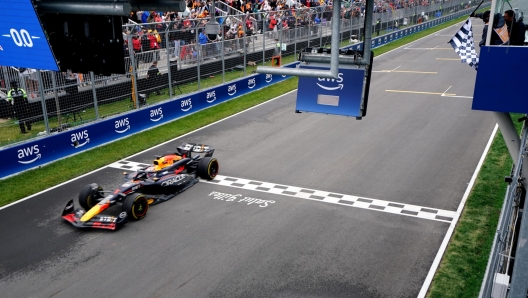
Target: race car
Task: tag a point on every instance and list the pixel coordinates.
(168, 175)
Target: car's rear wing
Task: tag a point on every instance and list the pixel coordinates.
(189, 148)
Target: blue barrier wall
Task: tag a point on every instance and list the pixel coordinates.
(51, 148)
(397, 34)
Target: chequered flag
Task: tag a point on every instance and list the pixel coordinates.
(463, 44)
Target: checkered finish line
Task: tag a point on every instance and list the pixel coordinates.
(317, 195)
(336, 198)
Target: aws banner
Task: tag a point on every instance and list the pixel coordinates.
(397, 34)
(39, 152)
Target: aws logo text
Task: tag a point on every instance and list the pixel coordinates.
(186, 104)
(269, 78)
(29, 154)
(251, 83)
(327, 81)
(122, 125)
(211, 96)
(156, 114)
(231, 90)
(80, 138)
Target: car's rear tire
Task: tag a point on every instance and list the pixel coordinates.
(208, 168)
(136, 206)
(90, 195)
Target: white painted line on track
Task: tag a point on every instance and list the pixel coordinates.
(445, 242)
(435, 48)
(443, 94)
(316, 195)
(406, 71)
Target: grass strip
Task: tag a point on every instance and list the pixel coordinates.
(462, 268)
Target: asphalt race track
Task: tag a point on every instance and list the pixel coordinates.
(307, 205)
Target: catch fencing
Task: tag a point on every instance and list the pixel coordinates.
(58, 101)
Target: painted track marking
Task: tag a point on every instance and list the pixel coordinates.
(421, 92)
(407, 71)
(317, 195)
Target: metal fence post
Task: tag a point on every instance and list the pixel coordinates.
(245, 48)
(199, 55)
(167, 47)
(280, 42)
(43, 101)
(222, 53)
(320, 31)
(264, 40)
(309, 28)
(57, 105)
(7, 79)
(94, 93)
(342, 28)
(134, 76)
(295, 41)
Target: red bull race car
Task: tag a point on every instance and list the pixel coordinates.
(168, 175)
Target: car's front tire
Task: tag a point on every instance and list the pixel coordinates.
(90, 195)
(136, 206)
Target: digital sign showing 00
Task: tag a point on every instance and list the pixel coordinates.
(22, 40)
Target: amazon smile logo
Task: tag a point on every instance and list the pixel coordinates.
(122, 125)
(330, 84)
(29, 154)
(80, 138)
(156, 114)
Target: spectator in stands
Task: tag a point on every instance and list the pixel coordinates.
(157, 19)
(516, 29)
(202, 40)
(231, 33)
(317, 23)
(249, 33)
(136, 44)
(285, 24)
(153, 45)
(145, 46)
(18, 99)
(240, 36)
(144, 17)
(273, 26)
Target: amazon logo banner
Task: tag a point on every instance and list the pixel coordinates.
(339, 96)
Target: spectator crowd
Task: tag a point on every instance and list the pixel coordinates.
(239, 19)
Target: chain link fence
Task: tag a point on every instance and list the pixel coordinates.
(166, 60)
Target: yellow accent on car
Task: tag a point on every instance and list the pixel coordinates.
(91, 213)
